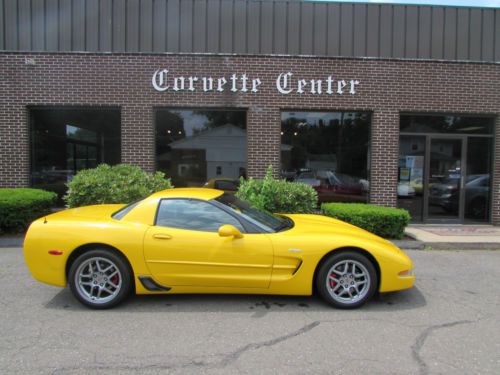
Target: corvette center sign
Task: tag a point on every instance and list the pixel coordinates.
(285, 83)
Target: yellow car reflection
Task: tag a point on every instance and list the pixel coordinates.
(228, 185)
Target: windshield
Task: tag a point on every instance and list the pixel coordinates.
(269, 223)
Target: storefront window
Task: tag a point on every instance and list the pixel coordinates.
(197, 146)
(329, 151)
(65, 141)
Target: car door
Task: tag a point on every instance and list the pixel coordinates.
(184, 248)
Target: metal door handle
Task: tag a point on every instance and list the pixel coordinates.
(161, 236)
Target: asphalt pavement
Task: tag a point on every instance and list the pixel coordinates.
(448, 323)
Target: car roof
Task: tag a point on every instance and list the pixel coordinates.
(198, 193)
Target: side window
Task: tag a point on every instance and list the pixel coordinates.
(193, 215)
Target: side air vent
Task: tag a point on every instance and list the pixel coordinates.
(152, 285)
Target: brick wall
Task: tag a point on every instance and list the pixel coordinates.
(495, 197)
(387, 87)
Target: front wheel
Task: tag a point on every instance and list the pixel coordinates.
(100, 279)
(347, 280)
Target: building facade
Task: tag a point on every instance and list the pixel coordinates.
(392, 105)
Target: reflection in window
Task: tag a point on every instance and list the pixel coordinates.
(446, 124)
(81, 134)
(329, 151)
(227, 185)
(194, 146)
(193, 215)
(65, 141)
(478, 182)
(411, 175)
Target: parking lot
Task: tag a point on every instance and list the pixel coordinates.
(448, 323)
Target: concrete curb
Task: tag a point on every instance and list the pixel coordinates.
(462, 246)
(11, 241)
(421, 245)
(409, 245)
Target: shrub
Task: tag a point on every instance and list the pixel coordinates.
(278, 196)
(19, 207)
(383, 221)
(118, 184)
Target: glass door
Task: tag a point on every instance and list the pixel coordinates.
(445, 179)
(477, 184)
(445, 168)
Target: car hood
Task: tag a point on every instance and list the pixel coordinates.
(322, 225)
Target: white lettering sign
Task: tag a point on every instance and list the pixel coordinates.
(282, 83)
(159, 80)
(286, 84)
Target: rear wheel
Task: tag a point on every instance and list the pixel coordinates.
(347, 280)
(100, 279)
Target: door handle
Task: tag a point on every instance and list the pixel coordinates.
(161, 236)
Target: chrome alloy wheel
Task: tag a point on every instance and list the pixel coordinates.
(98, 280)
(348, 281)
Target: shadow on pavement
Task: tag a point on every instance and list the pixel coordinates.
(260, 304)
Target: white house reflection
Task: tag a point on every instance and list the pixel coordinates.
(216, 152)
(194, 146)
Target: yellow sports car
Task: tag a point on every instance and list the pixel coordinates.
(228, 185)
(199, 240)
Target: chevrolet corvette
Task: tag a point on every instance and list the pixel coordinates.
(201, 240)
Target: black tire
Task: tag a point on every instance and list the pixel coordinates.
(329, 287)
(83, 289)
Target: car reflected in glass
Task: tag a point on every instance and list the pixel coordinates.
(332, 186)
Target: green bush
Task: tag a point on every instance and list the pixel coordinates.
(383, 221)
(19, 207)
(118, 184)
(278, 196)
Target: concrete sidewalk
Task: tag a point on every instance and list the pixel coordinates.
(455, 236)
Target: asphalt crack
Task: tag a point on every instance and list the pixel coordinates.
(420, 341)
(233, 356)
(227, 358)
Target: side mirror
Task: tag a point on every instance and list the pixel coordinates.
(229, 231)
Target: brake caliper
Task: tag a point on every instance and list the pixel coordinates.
(333, 282)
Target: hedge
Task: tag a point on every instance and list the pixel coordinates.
(278, 196)
(121, 183)
(383, 221)
(19, 207)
